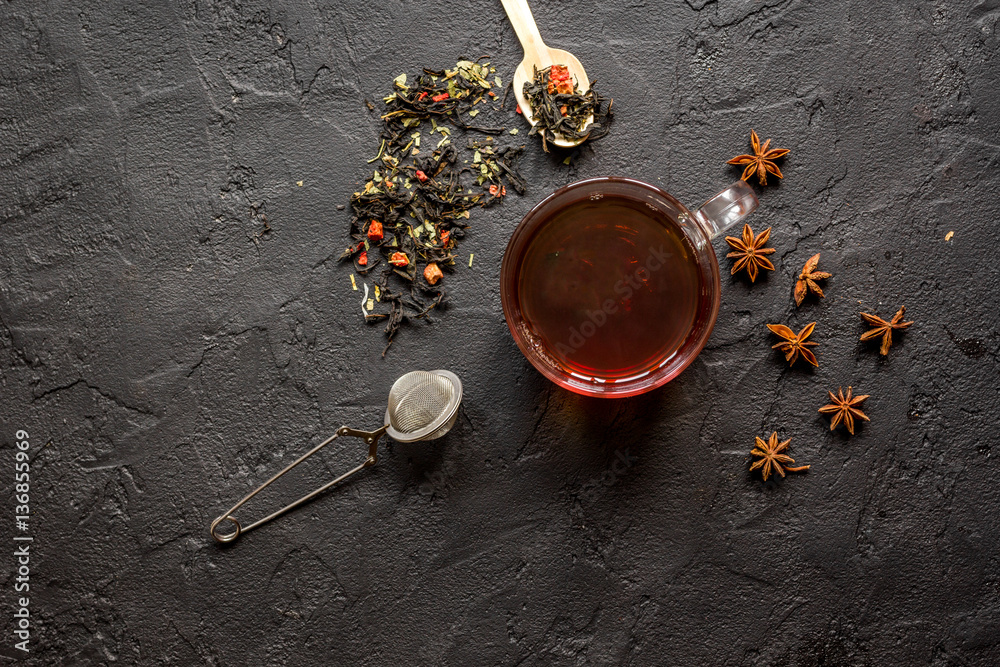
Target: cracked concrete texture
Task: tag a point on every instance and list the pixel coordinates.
(174, 330)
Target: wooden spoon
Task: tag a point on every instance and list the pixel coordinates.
(537, 54)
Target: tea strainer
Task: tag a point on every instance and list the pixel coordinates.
(423, 405)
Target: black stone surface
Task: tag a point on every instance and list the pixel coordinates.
(166, 356)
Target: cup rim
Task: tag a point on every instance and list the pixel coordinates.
(516, 248)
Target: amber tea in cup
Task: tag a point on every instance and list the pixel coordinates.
(610, 286)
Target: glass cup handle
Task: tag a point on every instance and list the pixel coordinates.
(726, 208)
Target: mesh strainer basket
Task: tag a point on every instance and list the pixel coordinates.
(423, 405)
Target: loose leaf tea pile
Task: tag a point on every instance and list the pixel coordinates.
(415, 206)
(560, 109)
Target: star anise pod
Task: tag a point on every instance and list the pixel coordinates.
(770, 453)
(807, 280)
(883, 328)
(795, 343)
(844, 408)
(751, 251)
(762, 160)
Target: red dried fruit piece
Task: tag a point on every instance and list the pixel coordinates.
(564, 87)
(441, 97)
(363, 259)
(444, 237)
(559, 73)
(421, 176)
(421, 96)
(432, 273)
(375, 231)
(559, 81)
(399, 259)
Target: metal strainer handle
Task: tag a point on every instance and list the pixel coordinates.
(370, 437)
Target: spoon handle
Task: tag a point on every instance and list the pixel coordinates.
(535, 52)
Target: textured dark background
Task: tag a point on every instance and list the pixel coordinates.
(165, 355)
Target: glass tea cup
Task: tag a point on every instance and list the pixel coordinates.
(610, 286)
